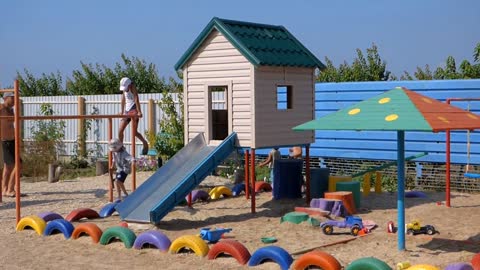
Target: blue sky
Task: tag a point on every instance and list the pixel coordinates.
(49, 36)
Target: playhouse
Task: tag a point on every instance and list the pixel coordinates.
(256, 80)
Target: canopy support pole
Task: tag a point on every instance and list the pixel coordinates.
(401, 188)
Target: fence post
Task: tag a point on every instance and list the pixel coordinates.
(151, 118)
(82, 136)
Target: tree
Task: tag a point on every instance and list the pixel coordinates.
(46, 85)
(371, 68)
(466, 70)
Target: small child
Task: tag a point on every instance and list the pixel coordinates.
(122, 160)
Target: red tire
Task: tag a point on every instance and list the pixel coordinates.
(390, 227)
(80, 213)
(90, 229)
(232, 248)
(317, 258)
(262, 186)
(476, 262)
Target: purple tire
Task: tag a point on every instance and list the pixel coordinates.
(49, 216)
(199, 194)
(154, 238)
(459, 266)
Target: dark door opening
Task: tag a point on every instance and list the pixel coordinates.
(219, 110)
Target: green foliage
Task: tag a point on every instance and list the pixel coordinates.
(450, 71)
(46, 85)
(170, 140)
(46, 144)
(262, 173)
(97, 79)
(369, 68)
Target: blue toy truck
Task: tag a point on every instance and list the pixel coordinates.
(353, 222)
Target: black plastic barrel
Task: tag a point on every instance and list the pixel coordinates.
(318, 182)
(288, 179)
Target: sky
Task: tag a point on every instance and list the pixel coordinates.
(49, 36)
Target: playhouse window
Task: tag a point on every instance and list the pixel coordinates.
(284, 97)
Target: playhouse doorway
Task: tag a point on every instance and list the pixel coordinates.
(218, 96)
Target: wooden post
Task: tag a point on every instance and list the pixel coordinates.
(307, 172)
(82, 135)
(366, 184)
(151, 118)
(18, 142)
(378, 182)
(247, 190)
(134, 174)
(110, 161)
(252, 161)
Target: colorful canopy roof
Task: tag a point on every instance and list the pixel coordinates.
(397, 109)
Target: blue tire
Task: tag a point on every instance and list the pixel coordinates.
(60, 225)
(154, 238)
(237, 189)
(108, 209)
(271, 253)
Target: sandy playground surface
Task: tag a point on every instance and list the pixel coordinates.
(458, 241)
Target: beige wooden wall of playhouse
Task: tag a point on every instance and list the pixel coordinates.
(215, 64)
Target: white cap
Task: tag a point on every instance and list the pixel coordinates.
(125, 83)
(115, 145)
(8, 94)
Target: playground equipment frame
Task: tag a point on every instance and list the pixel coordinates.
(18, 118)
(447, 152)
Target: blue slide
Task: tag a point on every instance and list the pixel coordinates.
(167, 187)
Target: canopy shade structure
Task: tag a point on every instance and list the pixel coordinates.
(397, 110)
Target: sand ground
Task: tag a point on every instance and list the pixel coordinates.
(458, 241)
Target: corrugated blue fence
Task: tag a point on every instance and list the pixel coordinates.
(331, 97)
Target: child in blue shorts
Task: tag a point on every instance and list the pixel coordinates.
(122, 160)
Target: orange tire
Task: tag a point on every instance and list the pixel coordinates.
(90, 229)
(232, 248)
(476, 262)
(316, 258)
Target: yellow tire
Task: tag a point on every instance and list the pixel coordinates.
(423, 267)
(191, 242)
(35, 222)
(217, 192)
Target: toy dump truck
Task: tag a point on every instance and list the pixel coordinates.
(353, 222)
(415, 228)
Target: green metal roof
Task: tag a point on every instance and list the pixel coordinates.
(261, 44)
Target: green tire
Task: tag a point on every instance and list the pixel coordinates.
(368, 263)
(125, 235)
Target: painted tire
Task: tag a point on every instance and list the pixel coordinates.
(390, 227)
(238, 189)
(199, 194)
(60, 225)
(90, 229)
(262, 186)
(154, 238)
(220, 191)
(273, 253)
(123, 224)
(423, 267)
(476, 262)
(317, 258)
(35, 222)
(108, 209)
(459, 266)
(80, 213)
(231, 247)
(192, 242)
(49, 216)
(415, 194)
(125, 235)
(368, 263)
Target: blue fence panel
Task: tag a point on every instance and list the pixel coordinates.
(331, 97)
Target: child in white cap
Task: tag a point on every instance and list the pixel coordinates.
(130, 106)
(122, 160)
